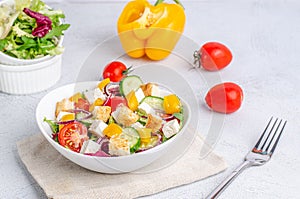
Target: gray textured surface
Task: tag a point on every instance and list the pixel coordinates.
(264, 37)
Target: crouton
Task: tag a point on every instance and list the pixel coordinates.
(154, 123)
(97, 128)
(63, 105)
(118, 145)
(147, 89)
(124, 116)
(102, 113)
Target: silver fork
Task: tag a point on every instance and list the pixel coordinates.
(259, 155)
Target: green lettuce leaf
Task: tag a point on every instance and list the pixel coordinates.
(3, 43)
(57, 31)
(20, 42)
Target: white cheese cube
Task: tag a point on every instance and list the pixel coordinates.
(115, 114)
(119, 146)
(124, 116)
(90, 146)
(64, 113)
(63, 105)
(97, 127)
(92, 95)
(146, 108)
(89, 95)
(139, 95)
(163, 93)
(155, 91)
(170, 128)
(99, 94)
(137, 125)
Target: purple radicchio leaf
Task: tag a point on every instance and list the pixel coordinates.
(44, 24)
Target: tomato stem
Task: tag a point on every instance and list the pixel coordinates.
(197, 58)
(128, 70)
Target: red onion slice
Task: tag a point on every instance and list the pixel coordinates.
(103, 151)
(112, 89)
(65, 122)
(108, 99)
(159, 138)
(104, 142)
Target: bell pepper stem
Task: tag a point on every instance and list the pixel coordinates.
(179, 3)
(158, 2)
(176, 1)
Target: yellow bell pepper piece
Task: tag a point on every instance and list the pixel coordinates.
(92, 107)
(132, 101)
(103, 83)
(145, 134)
(75, 97)
(112, 130)
(171, 104)
(150, 30)
(67, 117)
(97, 102)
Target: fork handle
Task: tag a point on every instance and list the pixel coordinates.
(219, 189)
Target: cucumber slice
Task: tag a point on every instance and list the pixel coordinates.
(133, 138)
(130, 83)
(155, 102)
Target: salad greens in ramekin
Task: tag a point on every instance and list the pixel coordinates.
(30, 29)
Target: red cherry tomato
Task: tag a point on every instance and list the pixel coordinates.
(214, 56)
(72, 136)
(225, 98)
(115, 71)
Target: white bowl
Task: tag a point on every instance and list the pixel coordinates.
(46, 108)
(30, 78)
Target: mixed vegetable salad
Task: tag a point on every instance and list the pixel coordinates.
(30, 29)
(117, 118)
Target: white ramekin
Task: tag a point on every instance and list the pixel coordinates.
(32, 78)
(8, 60)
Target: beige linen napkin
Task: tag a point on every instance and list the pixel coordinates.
(61, 178)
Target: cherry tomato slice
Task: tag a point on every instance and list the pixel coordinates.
(72, 136)
(214, 56)
(115, 71)
(114, 101)
(82, 104)
(225, 98)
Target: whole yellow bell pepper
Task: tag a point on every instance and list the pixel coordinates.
(151, 30)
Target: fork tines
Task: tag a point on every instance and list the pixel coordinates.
(270, 137)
